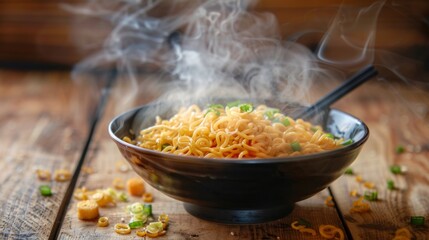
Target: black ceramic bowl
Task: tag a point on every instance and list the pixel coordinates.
(233, 190)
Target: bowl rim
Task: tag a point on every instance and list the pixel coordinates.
(196, 160)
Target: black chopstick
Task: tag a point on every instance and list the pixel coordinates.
(357, 79)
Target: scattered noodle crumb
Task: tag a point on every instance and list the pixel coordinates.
(122, 228)
(308, 230)
(44, 175)
(359, 179)
(87, 210)
(354, 193)
(87, 170)
(62, 175)
(331, 232)
(359, 206)
(403, 234)
(121, 166)
(328, 202)
(103, 222)
(147, 197)
(118, 183)
(295, 226)
(369, 185)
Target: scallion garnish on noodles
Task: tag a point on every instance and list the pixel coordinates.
(329, 135)
(269, 113)
(233, 104)
(286, 121)
(295, 146)
(214, 108)
(246, 107)
(348, 142)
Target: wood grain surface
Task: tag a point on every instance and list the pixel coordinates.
(396, 114)
(45, 119)
(42, 127)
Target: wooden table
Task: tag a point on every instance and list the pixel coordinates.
(49, 121)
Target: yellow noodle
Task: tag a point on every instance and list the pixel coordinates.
(230, 133)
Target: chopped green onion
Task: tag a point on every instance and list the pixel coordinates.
(123, 197)
(400, 149)
(135, 208)
(155, 227)
(330, 135)
(295, 146)
(390, 184)
(215, 106)
(147, 209)
(246, 107)
(302, 221)
(233, 104)
(269, 113)
(395, 169)
(136, 224)
(139, 217)
(348, 142)
(371, 196)
(213, 110)
(314, 129)
(286, 122)
(45, 190)
(163, 146)
(417, 220)
(348, 171)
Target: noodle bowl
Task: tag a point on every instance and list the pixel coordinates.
(233, 190)
(234, 131)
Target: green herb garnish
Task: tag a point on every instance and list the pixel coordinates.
(390, 184)
(163, 146)
(233, 104)
(286, 122)
(295, 146)
(246, 107)
(348, 171)
(215, 106)
(314, 129)
(348, 142)
(136, 224)
(330, 135)
(269, 113)
(123, 197)
(45, 190)
(417, 220)
(147, 209)
(396, 169)
(371, 195)
(400, 149)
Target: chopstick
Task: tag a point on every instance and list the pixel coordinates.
(354, 81)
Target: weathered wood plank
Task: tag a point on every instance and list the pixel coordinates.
(103, 158)
(396, 114)
(41, 128)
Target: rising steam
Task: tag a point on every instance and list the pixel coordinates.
(184, 50)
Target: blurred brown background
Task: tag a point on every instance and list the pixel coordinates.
(43, 34)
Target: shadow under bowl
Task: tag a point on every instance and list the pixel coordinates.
(238, 191)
